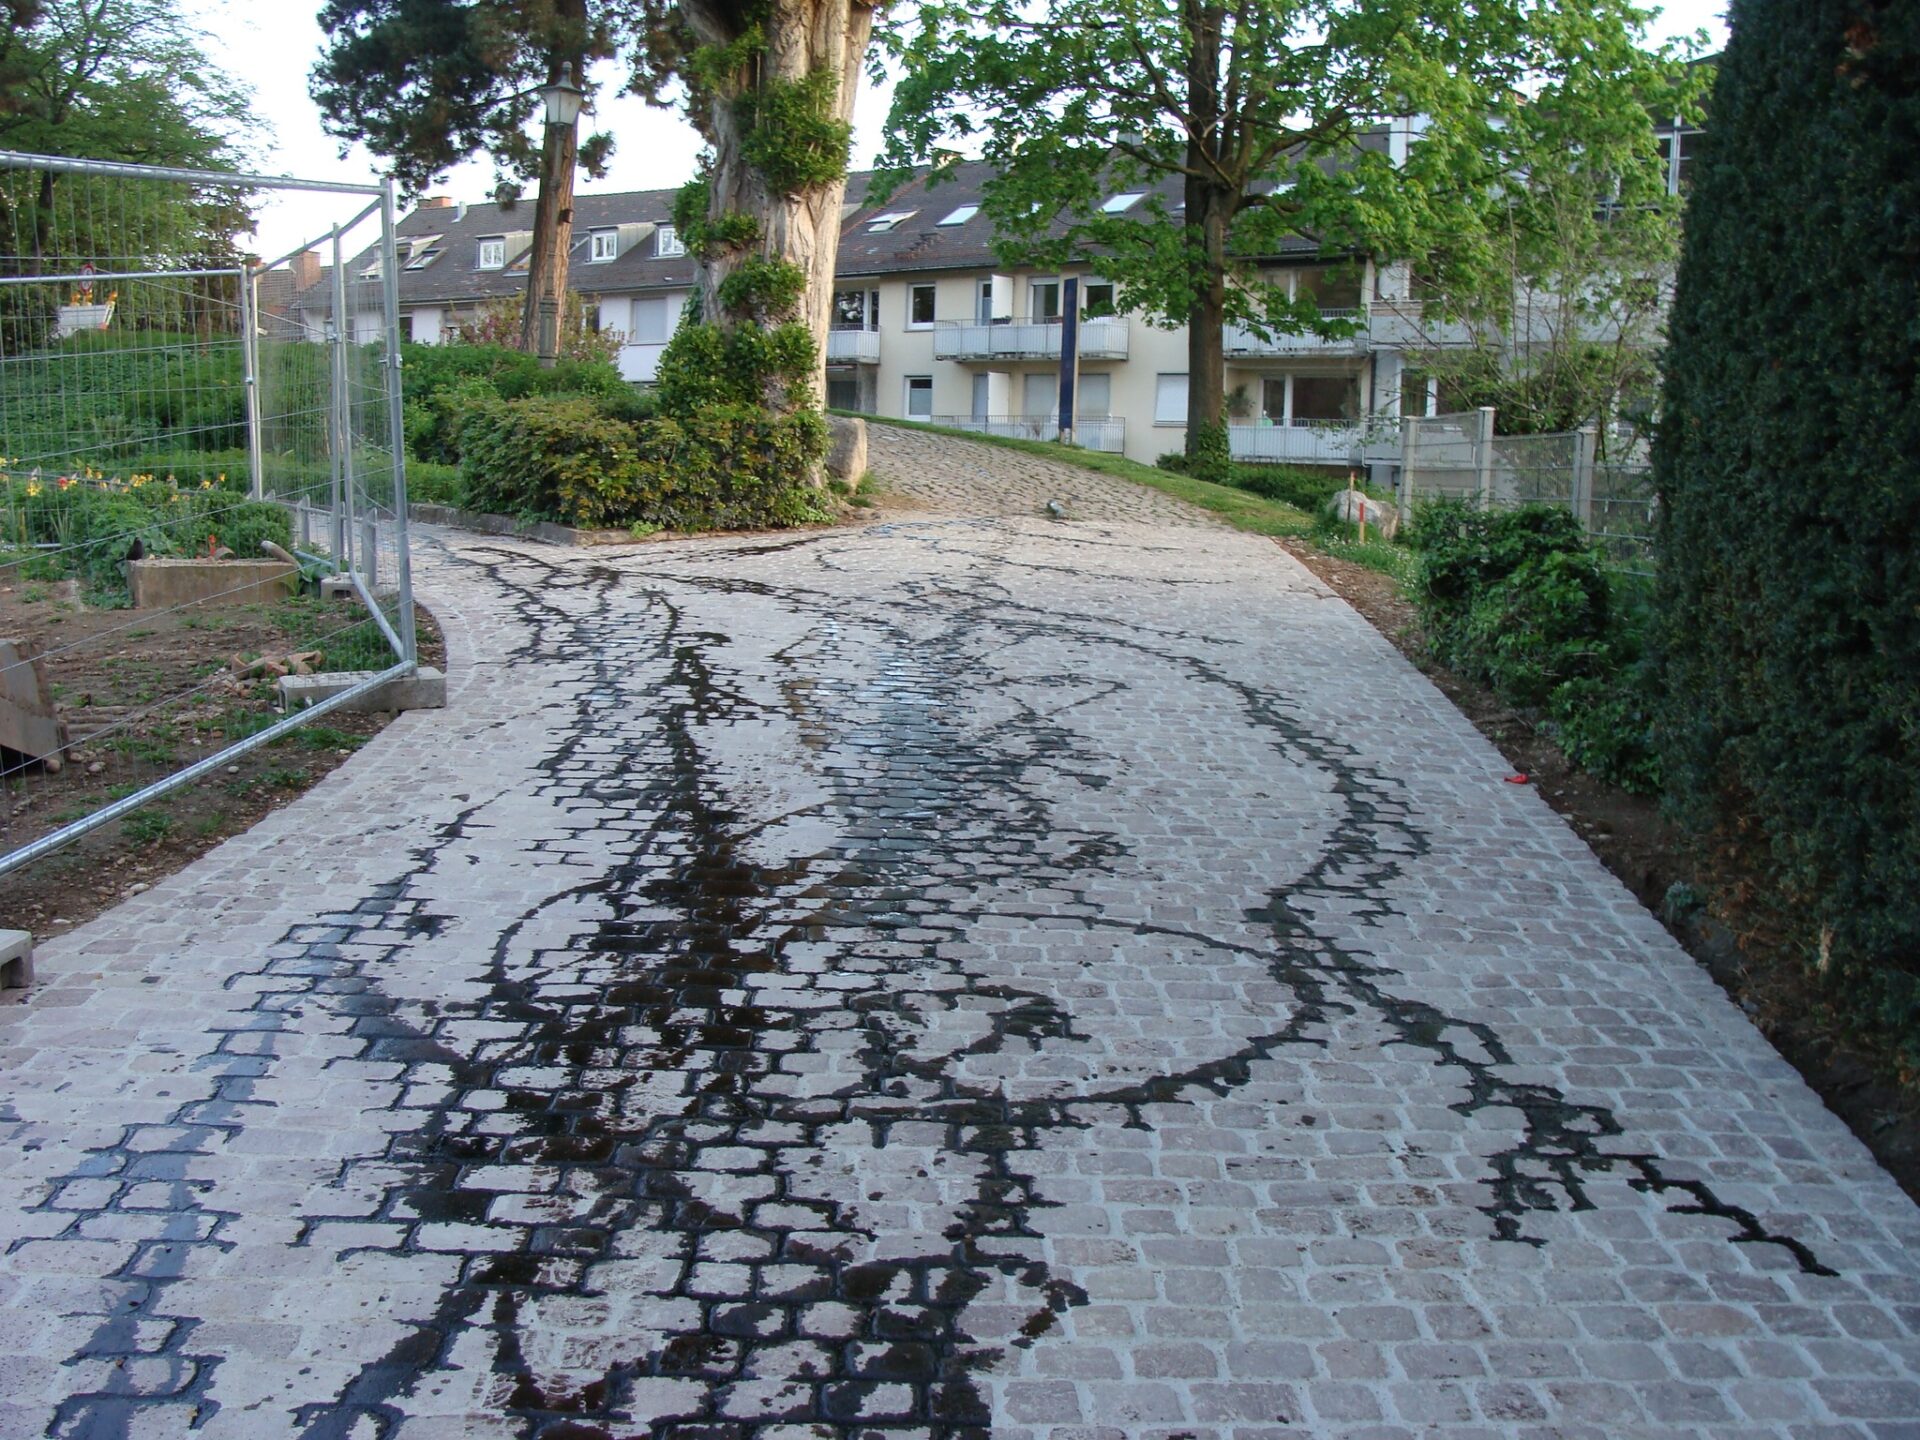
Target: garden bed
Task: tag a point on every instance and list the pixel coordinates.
(144, 695)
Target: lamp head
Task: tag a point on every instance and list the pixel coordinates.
(563, 98)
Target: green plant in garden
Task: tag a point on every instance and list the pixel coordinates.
(1788, 465)
(1520, 601)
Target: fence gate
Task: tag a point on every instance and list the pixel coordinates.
(202, 486)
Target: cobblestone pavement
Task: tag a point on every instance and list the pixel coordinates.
(975, 975)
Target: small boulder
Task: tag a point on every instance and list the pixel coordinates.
(1351, 505)
(847, 450)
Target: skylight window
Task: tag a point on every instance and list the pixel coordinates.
(420, 252)
(1120, 204)
(880, 224)
(424, 258)
(961, 215)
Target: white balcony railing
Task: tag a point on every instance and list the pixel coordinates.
(1240, 342)
(853, 347)
(1104, 338)
(1303, 442)
(1106, 432)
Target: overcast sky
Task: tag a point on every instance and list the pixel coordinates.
(272, 44)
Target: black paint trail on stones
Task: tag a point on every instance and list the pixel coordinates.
(649, 1093)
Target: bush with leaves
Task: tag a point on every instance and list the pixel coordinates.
(1520, 601)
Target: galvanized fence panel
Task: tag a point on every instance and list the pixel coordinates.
(1458, 457)
(191, 442)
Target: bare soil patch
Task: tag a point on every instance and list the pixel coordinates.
(144, 695)
(1734, 938)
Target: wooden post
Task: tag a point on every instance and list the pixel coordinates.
(1586, 445)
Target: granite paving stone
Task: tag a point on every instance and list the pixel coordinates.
(972, 974)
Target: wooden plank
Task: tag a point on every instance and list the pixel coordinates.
(29, 724)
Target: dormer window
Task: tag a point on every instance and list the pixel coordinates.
(667, 243)
(492, 253)
(606, 246)
(881, 224)
(424, 258)
(1121, 203)
(961, 215)
(419, 252)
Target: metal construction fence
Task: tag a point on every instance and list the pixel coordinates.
(202, 489)
(1459, 457)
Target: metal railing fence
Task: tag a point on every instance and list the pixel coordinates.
(190, 442)
(1459, 457)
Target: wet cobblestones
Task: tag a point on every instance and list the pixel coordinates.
(979, 975)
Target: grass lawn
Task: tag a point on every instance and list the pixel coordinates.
(1241, 509)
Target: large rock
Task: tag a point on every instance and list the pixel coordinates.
(1351, 505)
(847, 453)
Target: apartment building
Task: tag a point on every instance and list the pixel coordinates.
(928, 325)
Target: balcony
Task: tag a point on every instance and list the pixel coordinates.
(1105, 432)
(1405, 325)
(1104, 338)
(1304, 442)
(1243, 344)
(853, 347)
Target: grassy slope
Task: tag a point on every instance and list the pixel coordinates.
(1239, 508)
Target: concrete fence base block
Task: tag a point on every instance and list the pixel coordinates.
(16, 959)
(170, 584)
(426, 689)
(338, 587)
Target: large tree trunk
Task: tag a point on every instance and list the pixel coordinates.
(803, 227)
(552, 221)
(1210, 209)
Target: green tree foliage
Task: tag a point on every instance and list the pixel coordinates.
(428, 83)
(1788, 461)
(1256, 108)
(1564, 309)
(122, 80)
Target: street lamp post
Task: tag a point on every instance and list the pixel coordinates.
(553, 216)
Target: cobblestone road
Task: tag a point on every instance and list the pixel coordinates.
(976, 975)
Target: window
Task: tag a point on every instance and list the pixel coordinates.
(667, 243)
(606, 246)
(650, 320)
(985, 315)
(1332, 287)
(1120, 204)
(919, 397)
(425, 252)
(919, 307)
(961, 215)
(849, 310)
(982, 396)
(1170, 400)
(493, 253)
(1095, 400)
(1046, 300)
(881, 224)
(1039, 395)
(1099, 299)
(1325, 397)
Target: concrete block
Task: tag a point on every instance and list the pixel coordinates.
(426, 689)
(338, 587)
(167, 584)
(16, 959)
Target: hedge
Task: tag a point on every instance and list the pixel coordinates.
(1788, 462)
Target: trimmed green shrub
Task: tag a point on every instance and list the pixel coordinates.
(1788, 465)
(1307, 490)
(566, 459)
(443, 383)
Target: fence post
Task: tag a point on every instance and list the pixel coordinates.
(1483, 456)
(1409, 433)
(250, 362)
(396, 424)
(337, 427)
(1586, 442)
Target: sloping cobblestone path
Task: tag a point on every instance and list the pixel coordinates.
(979, 975)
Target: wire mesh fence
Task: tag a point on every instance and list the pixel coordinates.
(193, 449)
(1459, 457)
